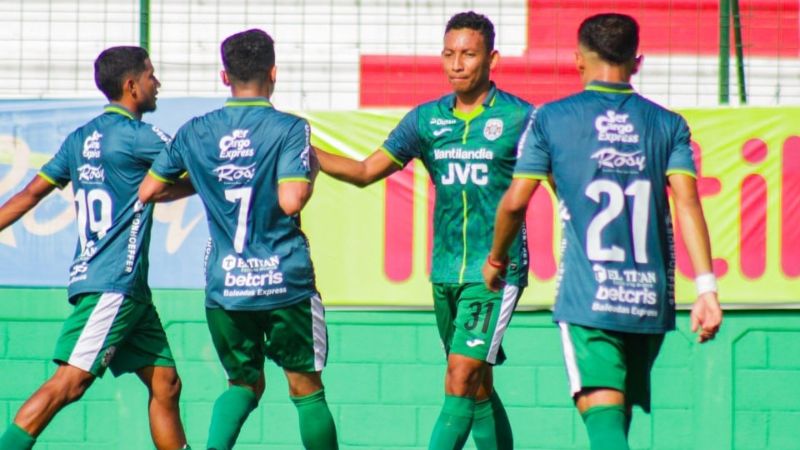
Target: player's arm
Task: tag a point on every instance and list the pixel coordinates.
(293, 195)
(706, 314)
(153, 188)
(166, 191)
(24, 200)
(508, 221)
(360, 173)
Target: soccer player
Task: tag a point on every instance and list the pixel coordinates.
(250, 165)
(612, 154)
(467, 141)
(114, 324)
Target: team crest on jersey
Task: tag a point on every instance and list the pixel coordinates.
(91, 146)
(493, 129)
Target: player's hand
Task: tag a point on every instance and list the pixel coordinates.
(706, 316)
(492, 276)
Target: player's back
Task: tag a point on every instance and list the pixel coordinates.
(106, 160)
(236, 156)
(611, 152)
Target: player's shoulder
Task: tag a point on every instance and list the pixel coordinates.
(150, 132)
(506, 98)
(659, 114)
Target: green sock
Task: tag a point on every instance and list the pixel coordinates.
(317, 429)
(230, 411)
(491, 429)
(452, 427)
(15, 438)
(606, 427)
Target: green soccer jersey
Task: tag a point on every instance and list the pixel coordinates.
(106, 160)
(470, 158)
(258, 257)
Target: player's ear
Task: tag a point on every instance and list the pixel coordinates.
(494, 58)
(129, 87)
(273, 74)
(637, 63)
(224, 77)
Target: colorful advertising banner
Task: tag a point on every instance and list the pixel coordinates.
(371, 246)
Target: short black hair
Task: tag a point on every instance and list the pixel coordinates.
(615, 37)
(473, 21)
(114, 64)
(248, 55)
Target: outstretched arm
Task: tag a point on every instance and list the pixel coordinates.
(509, 219)
(377, 166)
(706, 314)
(24, 200)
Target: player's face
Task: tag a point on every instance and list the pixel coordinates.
(466, 61)
(147, 88)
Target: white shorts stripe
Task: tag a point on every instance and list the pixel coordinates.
(94, 333)
(569, 359)
(510, 293)
(319, 331)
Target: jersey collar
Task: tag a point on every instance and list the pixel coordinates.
(610, 88)
(248, 101)
(488, 102)
(116, 108)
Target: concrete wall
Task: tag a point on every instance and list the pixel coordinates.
(384, 382)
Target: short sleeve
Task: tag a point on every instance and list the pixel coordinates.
(56, 171)
(293, 163)
(681, 156)
(403, 143)
(169, 164)
(533, 153)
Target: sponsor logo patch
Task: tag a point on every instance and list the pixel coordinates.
(91, 146)
(611, 158)
(475, 342)
(613, 127)
(88, 173)
(236, 145)
(232, 172)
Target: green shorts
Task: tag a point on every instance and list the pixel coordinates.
(472, 319)
(111, 330)
(598, 358)
(295, 337)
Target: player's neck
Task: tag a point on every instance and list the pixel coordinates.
(607, 73)
(467, 101)
(249, 90)
(130, 106)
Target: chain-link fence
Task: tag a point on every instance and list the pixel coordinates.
(345, 54)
